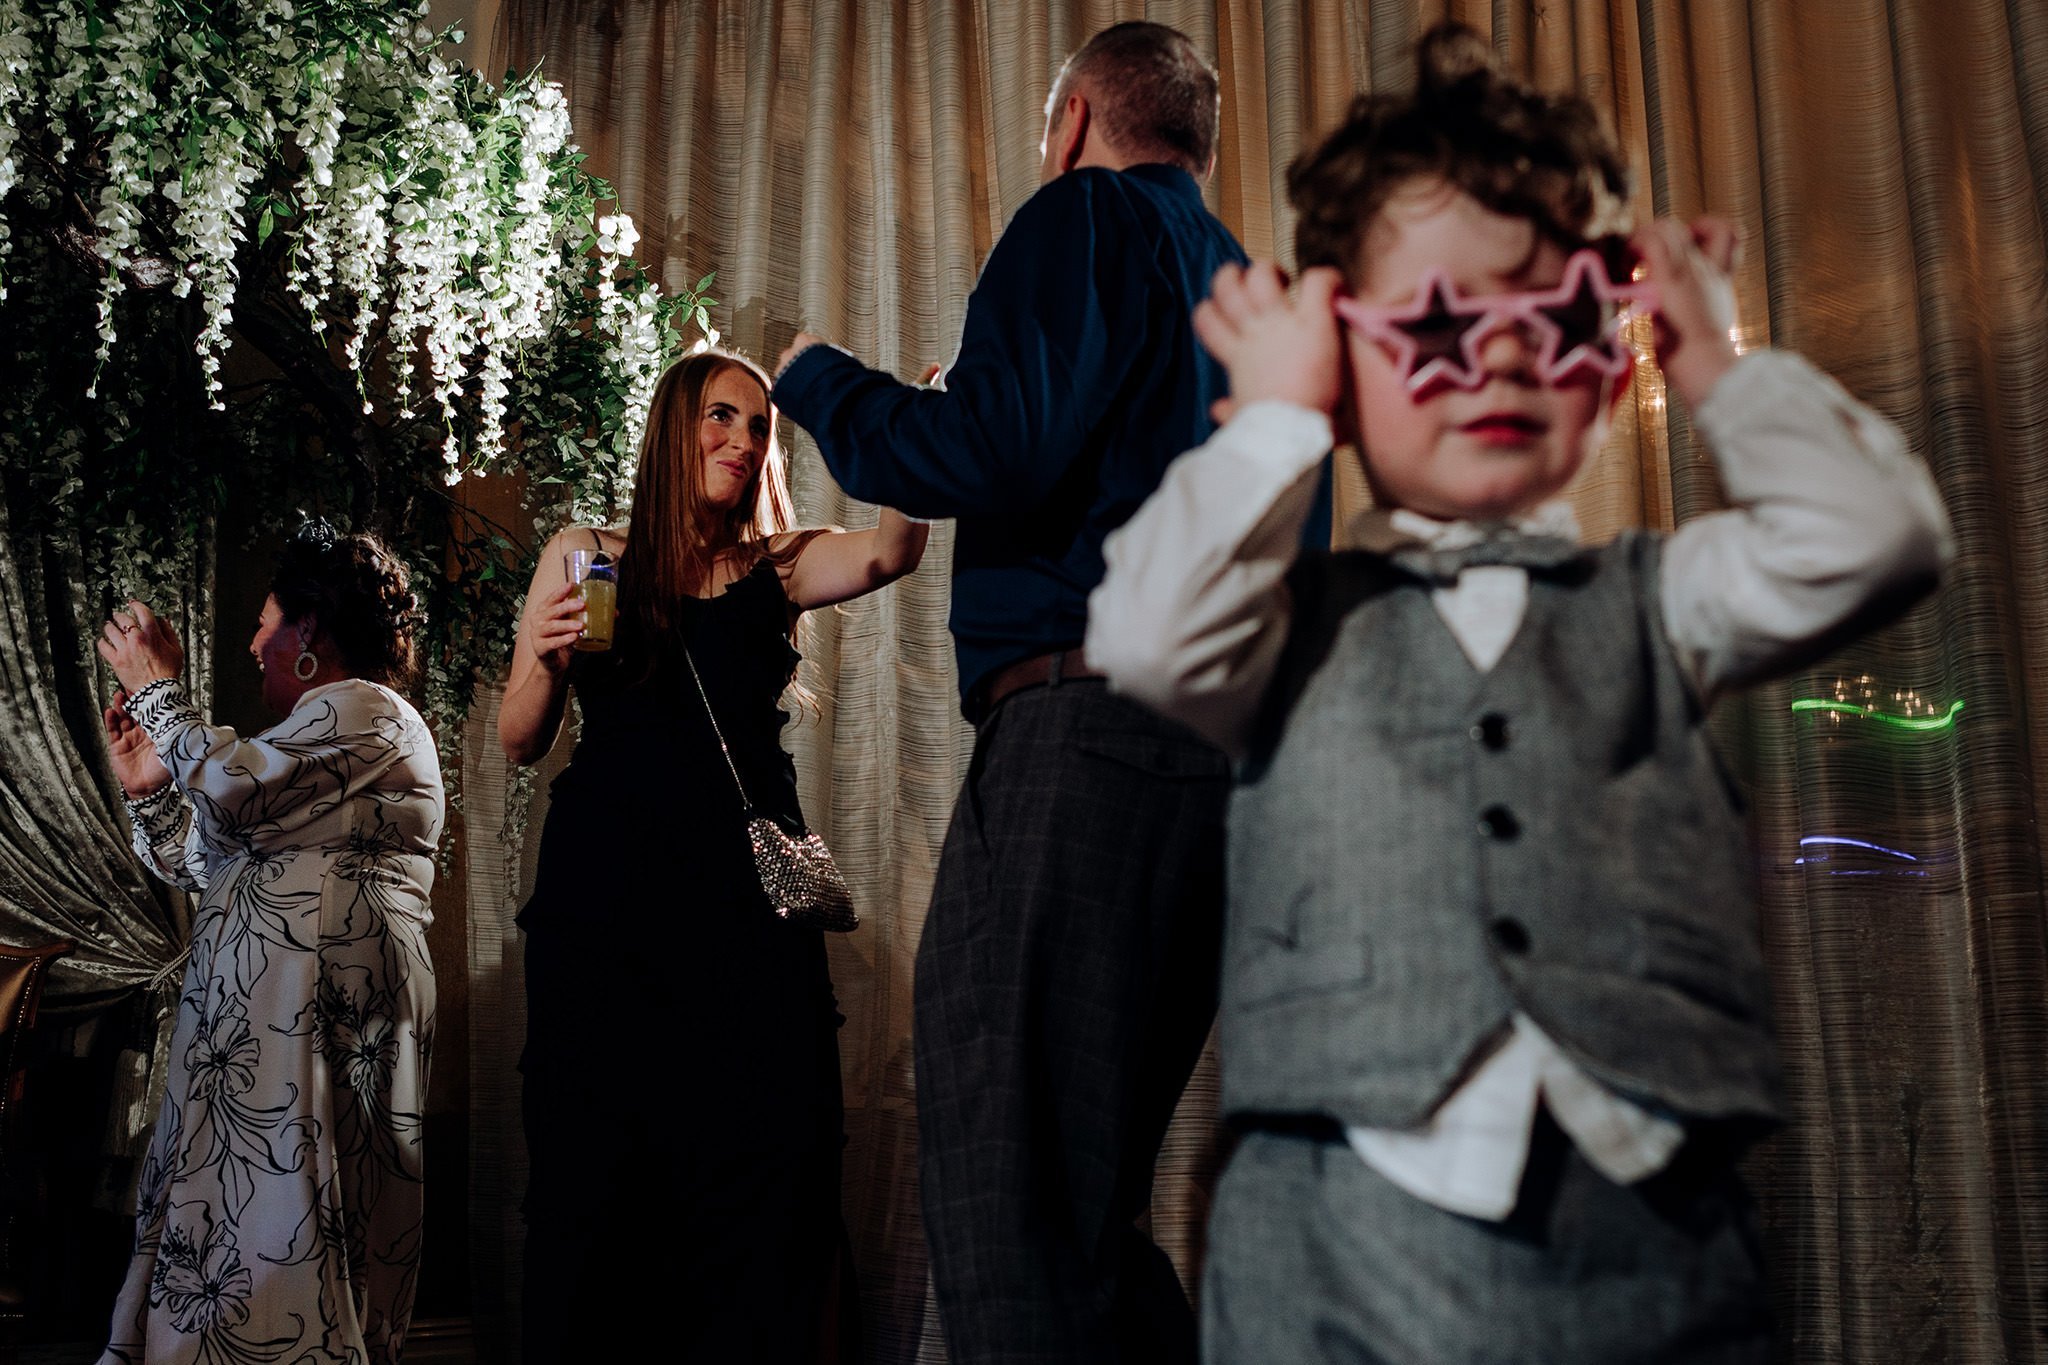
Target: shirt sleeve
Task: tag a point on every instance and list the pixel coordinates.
(166, 837)
(330, 748)
(1194, 610)
(1052, 329)
(1831, 520)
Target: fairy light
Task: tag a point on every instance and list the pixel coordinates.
(1865, 699)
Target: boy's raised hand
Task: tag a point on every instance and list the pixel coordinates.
(1275, 345)
(1691, 265)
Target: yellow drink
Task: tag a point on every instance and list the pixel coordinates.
(600, 602)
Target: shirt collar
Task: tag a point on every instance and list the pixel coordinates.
(1168, 177)
(1384, 530)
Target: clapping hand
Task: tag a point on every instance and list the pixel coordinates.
(140, 647)
(136, 764)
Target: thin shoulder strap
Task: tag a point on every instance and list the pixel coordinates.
(716, 730)
(596, 540)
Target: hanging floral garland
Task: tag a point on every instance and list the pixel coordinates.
(294, 251)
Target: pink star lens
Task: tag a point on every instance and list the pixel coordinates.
(1577, 326)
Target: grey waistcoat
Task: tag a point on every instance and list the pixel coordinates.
(1418, 849)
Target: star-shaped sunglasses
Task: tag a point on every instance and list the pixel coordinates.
(1436, 338)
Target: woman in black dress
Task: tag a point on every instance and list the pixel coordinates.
(682, 1068)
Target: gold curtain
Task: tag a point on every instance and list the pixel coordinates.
(844, 166)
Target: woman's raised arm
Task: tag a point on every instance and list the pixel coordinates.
(843, 564)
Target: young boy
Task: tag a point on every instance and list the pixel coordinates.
(1494, 1021)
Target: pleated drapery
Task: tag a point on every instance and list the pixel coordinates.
(66, 870)
(844, 167)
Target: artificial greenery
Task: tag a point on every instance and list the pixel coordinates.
(293, 255)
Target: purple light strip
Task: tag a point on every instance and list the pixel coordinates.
(1841, 840)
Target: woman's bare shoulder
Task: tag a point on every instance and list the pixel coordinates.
(610, 539)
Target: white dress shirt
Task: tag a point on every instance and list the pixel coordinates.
(1827, 512)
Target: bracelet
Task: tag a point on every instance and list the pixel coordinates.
(146, 804)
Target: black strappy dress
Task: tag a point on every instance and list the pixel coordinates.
(682, 1101)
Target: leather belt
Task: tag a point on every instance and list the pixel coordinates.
(1041, 670)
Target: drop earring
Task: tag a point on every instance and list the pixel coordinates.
(307, 664)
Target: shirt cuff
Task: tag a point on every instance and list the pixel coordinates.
(154, 705)
(1771, 397)
(148, 690)
(157, 815)
(1756, 387)
(815, 349)
(1283, 437)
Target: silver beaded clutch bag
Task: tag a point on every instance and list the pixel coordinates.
(802, 881)
(797, 872)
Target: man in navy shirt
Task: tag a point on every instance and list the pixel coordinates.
(1066, 976)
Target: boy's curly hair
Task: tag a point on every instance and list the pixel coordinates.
(1517, 151)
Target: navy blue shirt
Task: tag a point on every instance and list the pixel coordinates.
(1079, 379)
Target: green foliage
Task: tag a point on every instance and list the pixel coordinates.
(290, 256)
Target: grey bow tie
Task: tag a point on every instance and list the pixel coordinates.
(1536, 553)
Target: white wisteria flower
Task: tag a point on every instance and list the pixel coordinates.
(328, 189)
(616, 234)
(423, 213)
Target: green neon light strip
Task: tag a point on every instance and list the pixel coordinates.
(1870, 713)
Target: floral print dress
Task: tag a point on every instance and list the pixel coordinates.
(280, 1205)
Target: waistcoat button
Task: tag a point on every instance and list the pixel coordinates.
(1491, 731)
(1498, 822)
(1509, 935)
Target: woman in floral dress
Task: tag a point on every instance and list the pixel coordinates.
(280, 1207)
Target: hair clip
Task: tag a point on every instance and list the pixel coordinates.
(316, 532)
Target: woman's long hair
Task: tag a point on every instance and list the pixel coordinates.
(676, 537)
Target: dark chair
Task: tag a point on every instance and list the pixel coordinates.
(22, 971)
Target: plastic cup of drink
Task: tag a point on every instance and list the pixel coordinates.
(596, 576)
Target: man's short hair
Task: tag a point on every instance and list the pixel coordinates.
(1152, 94)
